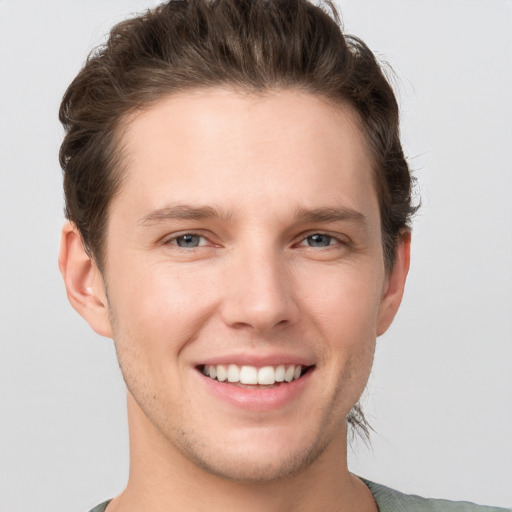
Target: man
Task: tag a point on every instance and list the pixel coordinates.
(239, 209)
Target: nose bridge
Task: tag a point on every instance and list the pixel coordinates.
(259, 289)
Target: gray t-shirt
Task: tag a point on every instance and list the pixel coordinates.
(389, 500)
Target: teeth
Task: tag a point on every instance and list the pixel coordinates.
(265, 376)
(248, 375)
(233, 373)
(222, 373)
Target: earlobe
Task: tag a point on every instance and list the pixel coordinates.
(395, 283)
(84, 284)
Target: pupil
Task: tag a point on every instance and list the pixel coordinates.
(319, 240)
(188, 241)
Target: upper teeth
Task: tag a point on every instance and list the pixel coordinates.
(267, 375)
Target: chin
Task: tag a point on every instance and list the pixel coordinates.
(246, 469)
(260, 461)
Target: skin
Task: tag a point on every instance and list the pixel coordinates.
(267, 173)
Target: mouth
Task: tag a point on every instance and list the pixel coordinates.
(255, 377)
(260, 388)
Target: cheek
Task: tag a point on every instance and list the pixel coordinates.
(160, 309)
(345, 304)
(345, 314)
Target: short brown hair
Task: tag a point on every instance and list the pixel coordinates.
(253, 45)
(249, 45)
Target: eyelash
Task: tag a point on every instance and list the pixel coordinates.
(332, 238)
(301, 243)
(174, 240)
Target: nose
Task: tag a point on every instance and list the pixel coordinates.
(259, 292)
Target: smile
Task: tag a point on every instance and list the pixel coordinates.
(257, 387)
(251, 375)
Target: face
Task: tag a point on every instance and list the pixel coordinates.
(244, 281)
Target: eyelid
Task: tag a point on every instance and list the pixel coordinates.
(342, 239)
(171, 239)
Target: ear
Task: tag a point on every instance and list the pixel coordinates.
(84, 283)
(395, 283)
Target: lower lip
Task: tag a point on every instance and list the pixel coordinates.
(257, 398)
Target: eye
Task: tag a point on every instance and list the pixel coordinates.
(188, 241)
(319, 240)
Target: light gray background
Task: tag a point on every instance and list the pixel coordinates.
(440, 396)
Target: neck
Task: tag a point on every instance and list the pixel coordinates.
(162, 479)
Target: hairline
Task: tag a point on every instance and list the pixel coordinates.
(120, 153)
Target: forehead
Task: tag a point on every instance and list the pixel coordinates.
(221, 147)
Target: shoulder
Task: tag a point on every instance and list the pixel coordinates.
(101, 507)
(389, 500)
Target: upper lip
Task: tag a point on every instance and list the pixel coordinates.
(257, 360)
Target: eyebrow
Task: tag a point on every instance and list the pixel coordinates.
(302, 215)
(330, 215)
(182, 212)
